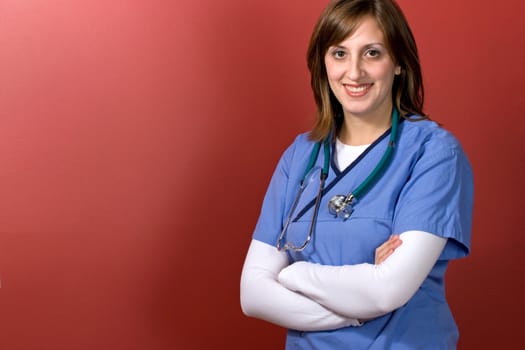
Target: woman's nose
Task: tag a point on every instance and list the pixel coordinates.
(355, 70)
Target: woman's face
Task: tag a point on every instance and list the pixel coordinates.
(361, 72)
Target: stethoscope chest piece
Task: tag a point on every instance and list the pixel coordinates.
(341, 206)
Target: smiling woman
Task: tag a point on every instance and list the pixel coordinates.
(370, 272)
(361, 73)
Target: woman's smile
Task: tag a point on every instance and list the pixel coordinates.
(354, 90)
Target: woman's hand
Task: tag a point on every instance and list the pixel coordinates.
(386, 249)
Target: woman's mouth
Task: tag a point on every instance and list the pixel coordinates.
(357, 90)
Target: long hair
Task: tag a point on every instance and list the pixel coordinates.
(338, 20)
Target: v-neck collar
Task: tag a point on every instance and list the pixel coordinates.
(341, 174)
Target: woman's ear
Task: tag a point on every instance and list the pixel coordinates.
(397, 70)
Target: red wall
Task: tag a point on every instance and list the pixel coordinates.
(137, 139)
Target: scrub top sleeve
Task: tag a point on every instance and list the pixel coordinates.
(438, 196)
(270, 220)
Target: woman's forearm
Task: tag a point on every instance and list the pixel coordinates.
(262, 296)
(366, 291)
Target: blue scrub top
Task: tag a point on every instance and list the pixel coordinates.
(428, 186)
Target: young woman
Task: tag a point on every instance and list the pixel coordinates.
(374, 169)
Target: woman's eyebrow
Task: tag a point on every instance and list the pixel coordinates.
(377, 43)
(339, 46)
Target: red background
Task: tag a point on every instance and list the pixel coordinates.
(137, 139)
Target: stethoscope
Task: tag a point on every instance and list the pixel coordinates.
(341, 206)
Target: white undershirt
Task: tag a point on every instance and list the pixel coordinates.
(346, 154)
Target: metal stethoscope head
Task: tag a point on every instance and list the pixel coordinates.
(341, 206)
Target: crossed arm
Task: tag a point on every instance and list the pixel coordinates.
(312, 297)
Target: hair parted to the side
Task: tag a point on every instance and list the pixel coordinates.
(337, 21)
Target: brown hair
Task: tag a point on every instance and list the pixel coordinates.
(338, 20)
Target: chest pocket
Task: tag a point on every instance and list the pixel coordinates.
(336, 241)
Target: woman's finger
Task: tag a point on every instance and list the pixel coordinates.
(387, 248)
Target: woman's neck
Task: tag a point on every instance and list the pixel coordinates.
(358, 131)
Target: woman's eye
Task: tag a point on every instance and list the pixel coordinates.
(373, 53)
(339, 54)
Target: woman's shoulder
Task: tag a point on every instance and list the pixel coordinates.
(429, 132)
(300, 143)
(303, 139)
(298, 148)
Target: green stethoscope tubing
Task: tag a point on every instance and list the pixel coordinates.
(339, 204)
(374, 175)
(313, 158)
